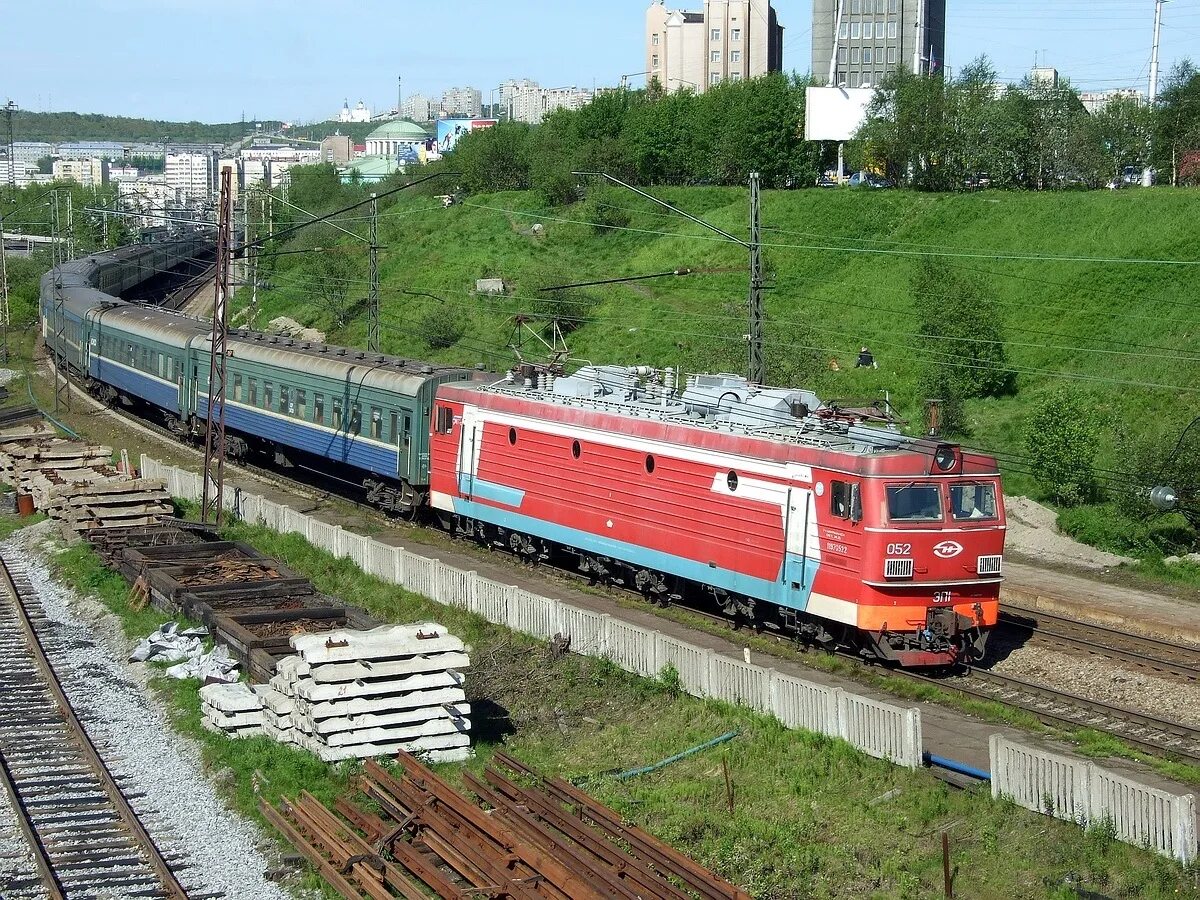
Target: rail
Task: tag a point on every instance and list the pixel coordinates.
(43, 854)
(1178, 660)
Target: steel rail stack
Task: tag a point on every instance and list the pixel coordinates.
(539, 838)
(85, 837)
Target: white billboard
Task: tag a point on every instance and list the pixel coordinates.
(834, 113)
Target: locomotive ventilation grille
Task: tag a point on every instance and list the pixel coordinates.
(898, 568)
(989, 565)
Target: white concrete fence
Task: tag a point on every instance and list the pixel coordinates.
(1080, 791)
(879, 729)
(1048, 783)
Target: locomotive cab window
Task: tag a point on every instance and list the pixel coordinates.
(445, 420)
(972, 501)
(845, 502)
(914, 503)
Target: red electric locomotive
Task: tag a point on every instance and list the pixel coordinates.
(788, 513)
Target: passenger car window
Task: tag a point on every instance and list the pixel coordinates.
(914, 503)
(254, 392)
(337, 413)
(237, 388)
(972, 501)
(355, 418)
(319, 409)
(376, 423)
(268, 395)
(301, 403)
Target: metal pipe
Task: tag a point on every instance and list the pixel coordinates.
(645, 770)
(952, 765)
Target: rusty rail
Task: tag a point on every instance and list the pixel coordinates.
(537, 838)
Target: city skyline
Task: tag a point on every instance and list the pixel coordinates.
(299, 64)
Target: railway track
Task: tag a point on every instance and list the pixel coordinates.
(1062, 709)
(1176, 660)
(85, 836)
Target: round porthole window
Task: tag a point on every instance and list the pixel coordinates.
(732, 480)
(512, 436)
(649, 465)
(575, 449)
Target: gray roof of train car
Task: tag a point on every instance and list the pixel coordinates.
(340, 364)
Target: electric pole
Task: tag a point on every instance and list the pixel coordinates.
(1148, 170)
(212, 508)
(758, 362)
(3, 297)
(373, 291)
(9, 108)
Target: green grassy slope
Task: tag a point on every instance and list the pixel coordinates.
(1118, 333)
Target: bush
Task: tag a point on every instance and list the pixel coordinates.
(439, 329)
(1061, 439)
(605, 213)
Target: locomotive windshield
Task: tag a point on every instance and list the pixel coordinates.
(973, 501)
(914, 503)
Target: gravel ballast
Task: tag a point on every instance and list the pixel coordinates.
(133, 734)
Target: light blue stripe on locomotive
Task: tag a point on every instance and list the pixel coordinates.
(150, 388)
(779, 592)
(363, 453)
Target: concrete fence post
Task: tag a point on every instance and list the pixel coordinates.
(398, 577)
(1184, 819)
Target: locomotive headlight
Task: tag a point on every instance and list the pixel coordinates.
(944, 458)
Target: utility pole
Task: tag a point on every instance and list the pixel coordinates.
(920, 37)
(758, 362)
(373, 291)
(1148, 171)
(70, 228)
(399, 96)
(214, 432)
(757, 373)
(837, 31)
(9, 108)
(3, 297)
(62, 387)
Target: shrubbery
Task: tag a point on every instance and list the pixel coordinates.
(1061, 440)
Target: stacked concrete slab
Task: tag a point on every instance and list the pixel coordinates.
(233, 709)
(357, 694)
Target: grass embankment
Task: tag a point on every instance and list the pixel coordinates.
(1119, 334)
(813, 818)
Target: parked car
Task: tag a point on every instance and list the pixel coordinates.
(980, 181)
(869, 179)
(826, 181)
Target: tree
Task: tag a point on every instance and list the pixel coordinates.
(1061, 439)
(331, 273)
(1177, 123)
(1123, 128)
(905, 133)
(960, 327)
(494, 159)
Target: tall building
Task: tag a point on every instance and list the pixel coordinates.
(192, 175)
(875, 37)
(418, 108)
(525, 100)
(87, 172)
(464, 103)
(730, 40)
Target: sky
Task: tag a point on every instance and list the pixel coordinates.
(297, 60)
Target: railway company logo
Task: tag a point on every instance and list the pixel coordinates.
(947, 549)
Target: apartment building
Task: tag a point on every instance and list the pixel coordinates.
(462, 103)
(418, 108)
(874, 37)
(87, 172)
(730, 40)
(192, 175)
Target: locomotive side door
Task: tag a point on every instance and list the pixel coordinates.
(470, 443)
(802, 543)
